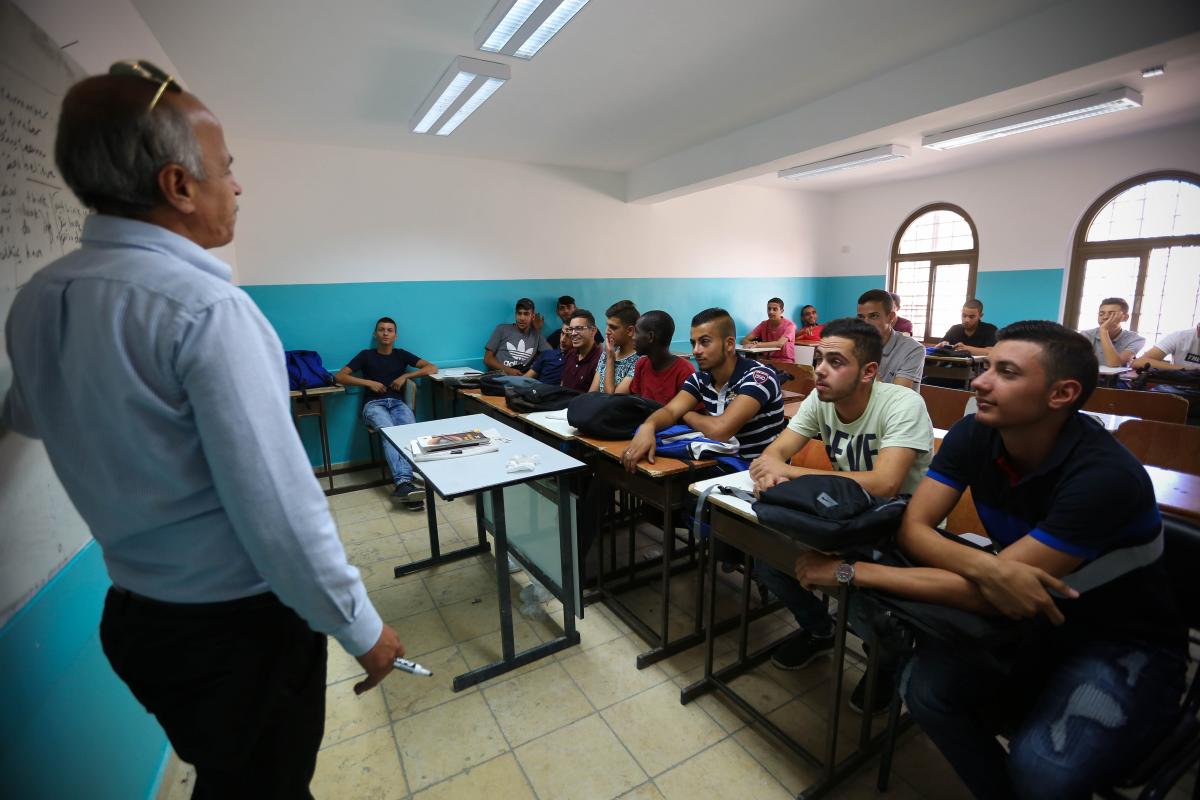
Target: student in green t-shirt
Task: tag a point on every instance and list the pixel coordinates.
(877, 434)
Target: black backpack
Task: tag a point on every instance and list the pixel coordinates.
(493, 383)
(523, 398)
(831, 513)
(609, 416)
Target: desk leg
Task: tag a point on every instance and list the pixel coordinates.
(436, 556)
(500, 536)
(839, 660)
(325, 456)
(566, 546)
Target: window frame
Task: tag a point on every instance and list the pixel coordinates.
(936, 258)
(1083, 250)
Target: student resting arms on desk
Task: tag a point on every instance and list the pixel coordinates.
(973, 336)
(1182, 347)
(903, 356)
(1101, 672)
(659, 374)
(1114, 346)
(618, 349)
(741, 397)
(548, 366)
(776, 330)
(384, 374)
(513, 345)
(877, 434)
(809, 331)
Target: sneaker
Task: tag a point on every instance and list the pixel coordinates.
(418, 481)
(535, 593)
(800, 650)
(885, 689)
(409, 496)
(514, 565)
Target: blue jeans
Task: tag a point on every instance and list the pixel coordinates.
(1079, 721)
(384, 413)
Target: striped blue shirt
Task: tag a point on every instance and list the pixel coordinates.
(753, 380)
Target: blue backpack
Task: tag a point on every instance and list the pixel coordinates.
(305, 370)
(680, 441)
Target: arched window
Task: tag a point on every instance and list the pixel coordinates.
(934, 260)
(1140, 241)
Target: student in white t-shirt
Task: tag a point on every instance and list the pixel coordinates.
(877, 434)
(1182, 347)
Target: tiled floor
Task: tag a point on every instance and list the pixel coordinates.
(584, 723)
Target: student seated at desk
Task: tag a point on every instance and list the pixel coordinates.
(903, 356)
(548, 366)
(879, 435)
(565, 309)
(1114, 346)
(742, 399)
(776, 329)
(973, 336)
(1100, 672)
(384, 373)
(513, 345)
(659, 374)
(901, 325)
(1182, 347)
(618, 349)
(809, 331)
(579, 365)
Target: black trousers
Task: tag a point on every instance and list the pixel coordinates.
(239, 687)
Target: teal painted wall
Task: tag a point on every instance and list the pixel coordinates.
(447, 322)
(70, 727)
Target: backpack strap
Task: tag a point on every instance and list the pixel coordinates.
(1115, 564)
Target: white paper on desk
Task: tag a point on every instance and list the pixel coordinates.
(454, 372)
(442, 455)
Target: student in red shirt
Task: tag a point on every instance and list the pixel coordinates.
(810, 331)
(658, 374)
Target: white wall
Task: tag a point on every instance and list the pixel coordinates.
(1026, 209)
(323, 214)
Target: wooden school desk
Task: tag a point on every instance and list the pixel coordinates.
(311, 403)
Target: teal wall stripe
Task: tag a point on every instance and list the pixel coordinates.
(70, 727)
(447, 322)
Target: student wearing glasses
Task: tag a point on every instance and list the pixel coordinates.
(579, 367)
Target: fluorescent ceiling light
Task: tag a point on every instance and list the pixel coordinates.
(1154, 72)
(520, 28)
(889, 152)
(1080, 108)
(461, 89)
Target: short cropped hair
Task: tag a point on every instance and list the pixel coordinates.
(895, 299)
(868, 344)
(776, 301)
(718, 315)
(660, 324)
(810, 305)
(524, 304)
(1116, 301)
(975, 304)
(382, 320)
(1066, 354)
(110, 148)
(566, 300)
(583, 312)
(878, 296)
(625, 311)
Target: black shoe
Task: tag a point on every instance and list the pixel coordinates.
(409, 496)
(800, 650)
(885, 689)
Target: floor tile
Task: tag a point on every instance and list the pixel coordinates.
(498, 779)
(348, 714)
(724, 770)
(340, 502)
(403, 519)
(406, 694)
(422, 633)
(470, 582)
(365, 530)
(385, 548)
(401, 600)
(366, 766)
(647, 791)
(921, 765)
(607, 673)
(487, 649)
(658, 730)
(583, 761)
(447, 739)
(470, 619)
(536, 703)
(372, 510)
(340, 665)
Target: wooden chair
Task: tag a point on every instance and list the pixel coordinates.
(1162, 444)
(1157, 406)
(964, 518)
(813, 456)
(945, 406)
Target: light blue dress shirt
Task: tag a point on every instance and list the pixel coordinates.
(160, 392)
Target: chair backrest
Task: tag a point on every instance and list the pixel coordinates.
(964, 518)
(804, 354)
(1162, 444)
(946, 406)
(813, 456)
(1181, 549)
(1158, 406)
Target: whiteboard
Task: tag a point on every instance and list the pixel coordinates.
(40, 220)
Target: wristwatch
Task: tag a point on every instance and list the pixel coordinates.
(844, 572)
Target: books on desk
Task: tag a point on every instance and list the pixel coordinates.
(451, 445)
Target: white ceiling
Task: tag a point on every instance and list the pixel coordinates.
(676, 94)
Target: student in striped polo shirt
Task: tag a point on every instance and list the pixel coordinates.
(742, 399)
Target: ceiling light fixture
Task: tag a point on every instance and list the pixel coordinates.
(1154, 72)
(520, 28)
(461, 89)
(1093, 105)
(889, 152)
